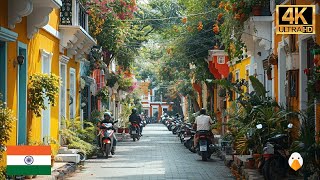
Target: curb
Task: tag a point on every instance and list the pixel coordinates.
(60, 173)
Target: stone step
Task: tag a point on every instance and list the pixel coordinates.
(75, 158)
(65, 150)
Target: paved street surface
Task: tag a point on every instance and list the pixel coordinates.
(158, 155)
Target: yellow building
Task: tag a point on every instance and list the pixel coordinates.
(239, 70)
(32, 30)
(294, 57)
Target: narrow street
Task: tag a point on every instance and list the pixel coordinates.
(158, 155)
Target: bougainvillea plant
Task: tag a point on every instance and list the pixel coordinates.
(100, 10)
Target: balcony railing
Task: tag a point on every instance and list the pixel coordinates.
(73, 13)
(278, 2)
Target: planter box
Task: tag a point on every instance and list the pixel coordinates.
(120, 130)
(126, 130)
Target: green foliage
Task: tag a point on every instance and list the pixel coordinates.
(96, 115)
(124, 82)
(258, 86)
(42, 86)
(3, 173)
(307, 146)
(103, 93)
(112, 79)
(78, 137)
(7, 119)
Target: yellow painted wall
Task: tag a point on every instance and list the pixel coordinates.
(41, 40)
(54, 19)
(241, 66)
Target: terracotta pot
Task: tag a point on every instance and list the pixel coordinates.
(267, 156)
(251, 163)
(120, 130)
(126, 130)
(256, 10)
(256, 156)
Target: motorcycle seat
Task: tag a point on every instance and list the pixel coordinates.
(203, 132)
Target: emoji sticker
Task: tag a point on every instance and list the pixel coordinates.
(295, 161)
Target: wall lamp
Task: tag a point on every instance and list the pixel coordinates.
(20, 61)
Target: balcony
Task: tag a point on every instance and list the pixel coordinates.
(74, 29)
(37, 12)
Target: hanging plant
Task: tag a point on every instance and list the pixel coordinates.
(125, 83)
(103, 93)
(40, 87)
(112, 79)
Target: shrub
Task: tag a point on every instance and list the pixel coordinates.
(40, 87)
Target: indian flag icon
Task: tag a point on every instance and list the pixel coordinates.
(28, 160)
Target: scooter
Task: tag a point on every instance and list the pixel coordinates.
(276, 155)
(107, 143)
(204, 144)
(134, 131)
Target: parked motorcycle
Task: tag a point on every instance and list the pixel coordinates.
(134, 131)
(107, 143)
(204, 144)
(275, 162)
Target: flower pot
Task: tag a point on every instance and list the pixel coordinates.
(251, 163)
(256, 10)
(126, 130)
(120, 130)
(267, 156)
(256, 156)
(28, 177)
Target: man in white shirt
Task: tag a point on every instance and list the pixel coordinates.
(202, 122)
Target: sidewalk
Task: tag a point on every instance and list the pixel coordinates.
(59, 171)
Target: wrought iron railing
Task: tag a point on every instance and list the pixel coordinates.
(278, 2)
(82, 16)
(77, 18)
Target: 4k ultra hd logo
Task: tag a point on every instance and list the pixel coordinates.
(295, 19)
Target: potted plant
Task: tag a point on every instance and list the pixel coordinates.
(120, 130)
(256, 7)
(315, 50)
(273, 59)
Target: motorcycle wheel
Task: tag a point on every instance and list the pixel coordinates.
(107, 150)
(273, 170)
(204, 156)
(134, 139)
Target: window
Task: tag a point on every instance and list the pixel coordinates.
(46, 114)
(72, 92)
(293, 84)
(221, 59)
(63, 88)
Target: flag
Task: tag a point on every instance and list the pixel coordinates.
(28, 160)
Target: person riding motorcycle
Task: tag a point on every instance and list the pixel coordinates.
(135, 118)
(107, 119)
(203, 122)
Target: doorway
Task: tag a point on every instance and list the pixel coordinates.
(3, 71)
(22, 74)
